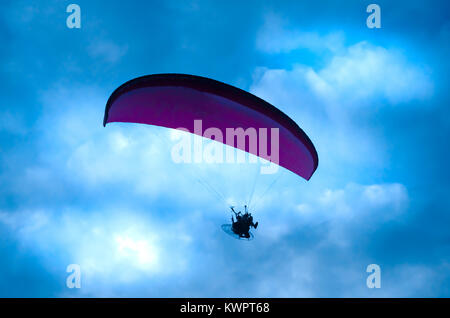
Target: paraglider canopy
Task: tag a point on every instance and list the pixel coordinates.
(182, 101)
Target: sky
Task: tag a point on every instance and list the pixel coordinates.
(373, 101)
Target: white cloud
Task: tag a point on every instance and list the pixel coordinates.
(357, 209)
(356, 75)
(366, 73)
(112, 247)
(362, 75)
(339, 210)
(26, 221)
(386, 201)
(108, 51)
(276, 37)
(139, 249)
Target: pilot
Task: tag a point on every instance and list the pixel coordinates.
(249, 218)
(245, 220)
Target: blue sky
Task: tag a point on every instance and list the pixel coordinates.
(373, 101)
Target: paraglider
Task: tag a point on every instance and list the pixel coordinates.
(243, 223)
(248, 123)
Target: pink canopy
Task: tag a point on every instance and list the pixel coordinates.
(178, 100)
